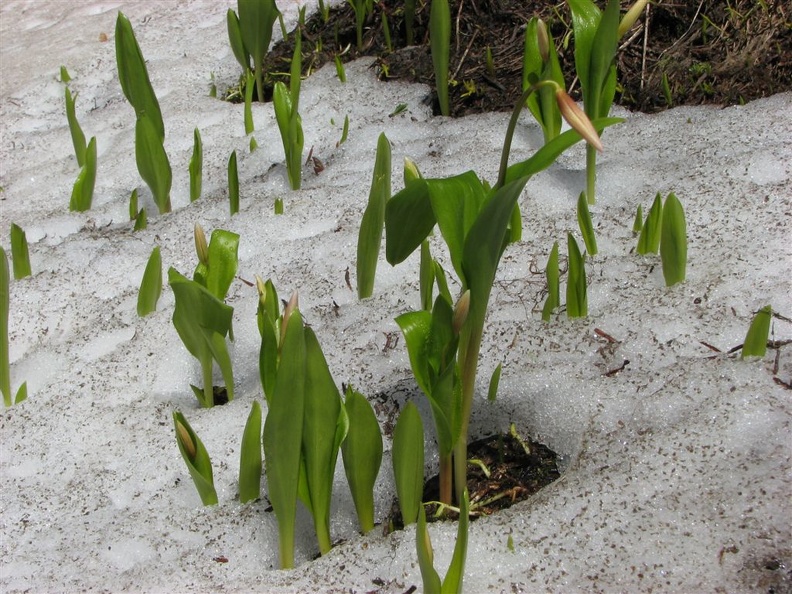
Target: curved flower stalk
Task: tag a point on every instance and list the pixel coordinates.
(477, 224)
(596, 40)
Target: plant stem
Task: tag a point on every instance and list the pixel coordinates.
(286, 547)
(446, 466)
(469, 348)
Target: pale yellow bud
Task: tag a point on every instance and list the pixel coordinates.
(287, 312)
(411, 172)
(578, 119)
(543, 40)
(200, 245)
(461, 312)
(184, 438)
(631, 16)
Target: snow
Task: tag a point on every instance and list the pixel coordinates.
(677, 474)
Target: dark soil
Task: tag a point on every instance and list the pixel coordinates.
(708, 52)
(516, 469)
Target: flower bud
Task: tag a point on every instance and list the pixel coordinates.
(578, 119)
(184, 438)
(200, 245)
(461, 312)
(287, 312)
(631, 16)
(543, 40)
(411, 172)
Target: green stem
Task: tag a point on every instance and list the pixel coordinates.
(286, 547)
(322, 527)
(208, 389)
(446, 482)
(5, 367)
(591, 173)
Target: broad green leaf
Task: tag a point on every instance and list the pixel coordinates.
(603, 51)
(673, 241)
(20, 256)
(250, 456)
(585, 224)
(577, 300)
(408, 462)
(547, 155)
(219, 350)
(223, 262)
(64, 75)
(21, 394)
(362, 456)
(256, 19)
(82, 193)
(456, 202)
(370, 235)
(233, 184)
(553, 286)
(151, 285)
(196, 167)
(452, 584)
(197, 459)
(585, 20)
(134, 78)
(484, 246)
(78, 137)
(320, 447)
(649, 239)
(409, 219)
(267, 317)
(440, 46)
(140, 220)
(755, 344)
(283, 429)
(235, 40)
(152, 162)
(416, 327)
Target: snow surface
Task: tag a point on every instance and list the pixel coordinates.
(677, 469)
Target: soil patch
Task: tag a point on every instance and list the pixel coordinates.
(691, 53)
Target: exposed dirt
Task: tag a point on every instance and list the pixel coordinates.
(708, 51)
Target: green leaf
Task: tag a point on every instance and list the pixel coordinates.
(250, 457)
(416, 327)
(319, 444)
(133, 76)
(235, 40)
(440, 45)
(20, 256)
(638, 221)
(223, 262)
(408, 462)
(249, 83)
(197, 459)
(196, 167)
(64, 75)
(370, 235)
(233, 184)
(492, 391)
(21, 394)
(423, 545)
(585, 224)
(649, 239)
(456, 202)
(5, 365)
(673, 241)
(152, 162)
(577, 300)
(553, 291)
(256, 19)
(585, 20)
(140, 220)
(290, 131)
(603, 52)
(151, 285)
(452, 584)
(409, 219)
(283, 429)
(362, 456)
(133, 205)
(82, 193)
(755, 344)
(426, 276)
(78, 137)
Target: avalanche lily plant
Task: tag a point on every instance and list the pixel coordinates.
(476, 223)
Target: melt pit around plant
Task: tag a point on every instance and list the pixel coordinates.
(678, 465)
